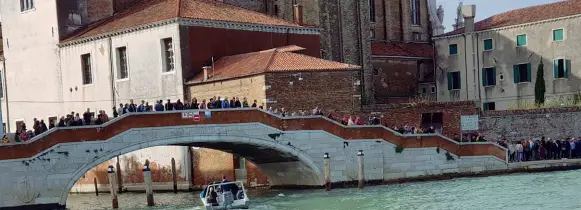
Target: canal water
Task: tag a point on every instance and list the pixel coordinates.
(552, 190)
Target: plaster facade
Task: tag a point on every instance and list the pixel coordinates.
(471, 59)
(146, 79)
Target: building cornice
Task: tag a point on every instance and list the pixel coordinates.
(511, 27)
(200, 23)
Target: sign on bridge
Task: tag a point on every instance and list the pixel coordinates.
(469, 123)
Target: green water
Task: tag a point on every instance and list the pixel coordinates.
(554, 190)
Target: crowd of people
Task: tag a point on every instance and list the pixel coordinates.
(524, 150)
(544, 149)
(89, 118)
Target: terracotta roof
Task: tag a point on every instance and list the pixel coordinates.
(290, 48)
(273, 60)
(526, 15)
(423, 50)
(150, 11)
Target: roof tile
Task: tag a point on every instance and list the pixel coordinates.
(151, 11)
(526, 15)
(273, 60)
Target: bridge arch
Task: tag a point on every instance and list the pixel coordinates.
(304, 170)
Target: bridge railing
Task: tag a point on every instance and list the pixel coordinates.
(406, 140)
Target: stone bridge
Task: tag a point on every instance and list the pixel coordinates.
(40, 173)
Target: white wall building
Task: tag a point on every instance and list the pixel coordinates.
(495, 61)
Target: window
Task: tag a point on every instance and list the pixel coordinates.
(168, 61)
(454, 80)
(371, 10)
(417, 36)
(521, 40)
(453, 49)
(488, 76)
(488, 45)
(433, 89)
(558, 35)
(522, 72)
(561, 68)
(372, 33)
(415, 6)
(26, 5)
(86, 67)
(122, 72)
(490, 106)
(376, 72)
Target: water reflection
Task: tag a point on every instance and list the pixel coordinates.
(555, 190)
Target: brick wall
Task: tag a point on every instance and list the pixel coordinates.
(331, 91)
(398, 79)
(525, 124)
(99, 9)
(411, 114)
(395, 24)
(250, 87)
(254, 175)
(210, 165)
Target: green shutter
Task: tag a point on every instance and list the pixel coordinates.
(450, 81)
(488, 44)
(459, 80)
(528, 72)
(516, 75)
(558, 35)
(521, 40)
(556, 69)
(567, 66)
(484, 80)
(485, 106)
(493, 79)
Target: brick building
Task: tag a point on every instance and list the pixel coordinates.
(390, 39)
(280, 78)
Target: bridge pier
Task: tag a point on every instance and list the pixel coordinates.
(113, 188)
(361, 165)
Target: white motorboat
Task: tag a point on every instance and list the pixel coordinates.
(224, 195)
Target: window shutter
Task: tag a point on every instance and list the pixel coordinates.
(459, 81)
(567, 68)
(484, 80)
(485, 106)
(516, 75)
(528, 72)
(450, 81)
(493, 79)
(556, 69)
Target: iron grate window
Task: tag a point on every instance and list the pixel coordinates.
(86, 67)
(122, 59)
(168, 55)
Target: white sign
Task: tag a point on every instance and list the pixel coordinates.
(469, 123)
(187, 115)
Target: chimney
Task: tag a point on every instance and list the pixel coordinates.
(298, 14)
(469, 12)
(206, 68)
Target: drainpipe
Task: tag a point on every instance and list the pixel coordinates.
(435, 64)
(477, 70)
(465, 64)
(3, 59)
(361, 60)
(111, 72)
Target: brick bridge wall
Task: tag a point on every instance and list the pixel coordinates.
(524, 124)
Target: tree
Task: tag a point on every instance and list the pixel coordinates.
(540, 88)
